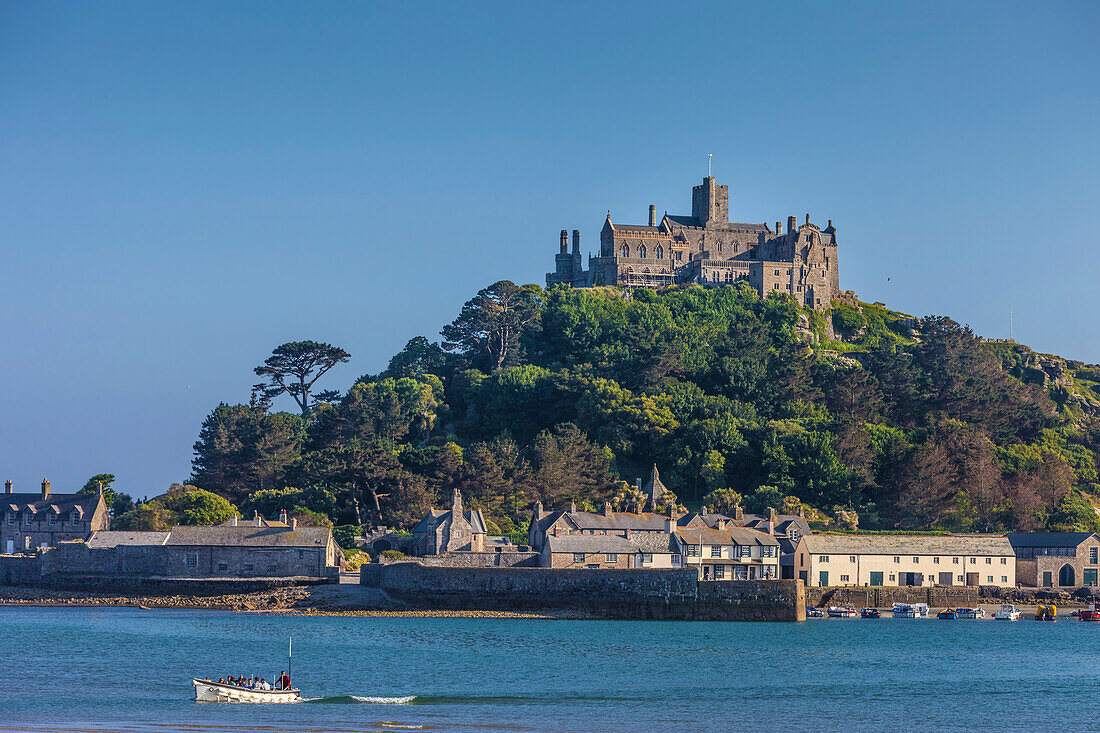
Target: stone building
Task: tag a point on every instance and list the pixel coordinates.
(708, 249)
(729, 552)
(905, 560)
(251, 550)
(34, 521)
(453, 530)
(1056, 559)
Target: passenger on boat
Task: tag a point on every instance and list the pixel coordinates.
(284, 681)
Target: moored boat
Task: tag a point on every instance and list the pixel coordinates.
(1046, 612)
(842, 612)
(903, 610)
(1008, 612)
(814, 612)
(948, 614)
(208, 691)
(969, 613)
(869, 613)
(1092, 613)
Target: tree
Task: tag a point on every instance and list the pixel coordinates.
(242, 448)
(489, 326)
(195, 506)
(565, 466)
(1052, 483)
(419, 357)
(110, 496)
(294, 368)
(723, 501)
(764, 498)
(148, 517)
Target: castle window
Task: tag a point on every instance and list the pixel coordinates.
(625, 251)
(679, 256)
(777, 272)
(641, 251)
(659, 253)
(776, 286)
(719, 245)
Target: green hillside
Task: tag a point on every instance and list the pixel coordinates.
(862, 413)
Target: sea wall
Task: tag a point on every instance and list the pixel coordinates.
(626, 594)
(887, 596)
(482, 560)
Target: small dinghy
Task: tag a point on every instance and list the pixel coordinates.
(948, 613)
(1008, 612)
(869, 613)
(842, 612)
(969, 613)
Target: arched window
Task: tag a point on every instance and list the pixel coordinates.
(659, 253)
(624, 251)
(641, 251)
(719, 245)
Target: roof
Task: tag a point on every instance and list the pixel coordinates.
(893, 544)
(654, 542)
(783, 523)
(727, 536)
(248, 536)
(105, 539)
(59, 503)
(644, 522)
(698, 519)
(638, 228)
(654, 489)
(427, 524)
(691, 221)
(1047, 539)
(590, 543)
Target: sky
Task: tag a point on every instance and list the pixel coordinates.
(186, 185)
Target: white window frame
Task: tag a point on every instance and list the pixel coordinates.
(611, 557)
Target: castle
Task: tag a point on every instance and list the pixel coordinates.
(708, 249)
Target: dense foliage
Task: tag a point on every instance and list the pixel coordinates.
(182, 504)
(570, 395)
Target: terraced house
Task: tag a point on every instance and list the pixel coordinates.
(910, 560)
(36, 521)
(728, 552)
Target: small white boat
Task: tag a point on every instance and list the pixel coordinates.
(842, 612)
(921, 609)
(970, 612)
(903, 610)
(1008, 612)
(207, 691)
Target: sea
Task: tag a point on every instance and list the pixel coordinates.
(128, 669)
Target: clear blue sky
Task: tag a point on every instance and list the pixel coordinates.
(185, 185)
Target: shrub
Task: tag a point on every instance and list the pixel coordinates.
(393, 555)
(345, 535)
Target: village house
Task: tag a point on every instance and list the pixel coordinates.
(1056, 559)
(36, 521)
(450, 530)
(729, 552)
(905, 560)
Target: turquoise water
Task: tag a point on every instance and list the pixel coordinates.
(124, 669)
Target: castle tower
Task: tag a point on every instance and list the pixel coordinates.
(710, 203)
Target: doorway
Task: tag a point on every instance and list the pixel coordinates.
(823, 578)
(876, 577)
(946, 579)
(1066, 576)
(11, 547)
(1048, 579)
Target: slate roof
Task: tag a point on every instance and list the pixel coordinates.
(654, 543)
(783, 523)
(590, 543)
(477, 522)
(248, 536)
(85, 504)
(893, 544)
(105, 539)
(644, 522)
(637, 228)
(698, 519)
(728, 536)
(691, 221)
(1047, 539)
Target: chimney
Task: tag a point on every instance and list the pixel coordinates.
(772, 516)
(771, 527)
(293, 524)
(722, 523)
(807, 218)
(670, 525)
(256, 521)
(801, 513)
(652, 215)
(7, 486)
(738, 515)
(576, 241)
(564, 241)
(607, 509)
(572, 507)
(792, 224)
(538, 509)
(45, 489)
(282, 516)
(779, 227)
(99, 488)
(456, 504)
(830, 224)
(233, 521)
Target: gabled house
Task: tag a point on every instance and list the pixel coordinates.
(728, 552)
(34, 521)
(454, 530)
(1056, 559)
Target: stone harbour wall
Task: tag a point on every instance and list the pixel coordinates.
(887, 596)
(482, 560)
(622, 594)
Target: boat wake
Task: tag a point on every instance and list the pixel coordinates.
(362, 700)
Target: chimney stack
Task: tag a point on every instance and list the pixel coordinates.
(779, 227)
(670, 525)
(45, 489)
(807, 218)
(8, 486)
(572, 507)
(652, 215)
(792, 224)
(576, 241)
(772, 515)
(738, 515)
(607, 509)
(293, 524)
(564, 241)
(830, 224)
(233, 521)
(282, 516)
(538, 509)
(256, 521)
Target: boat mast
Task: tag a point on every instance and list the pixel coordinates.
(290, 660)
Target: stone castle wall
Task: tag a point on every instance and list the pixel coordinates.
(627, 594)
